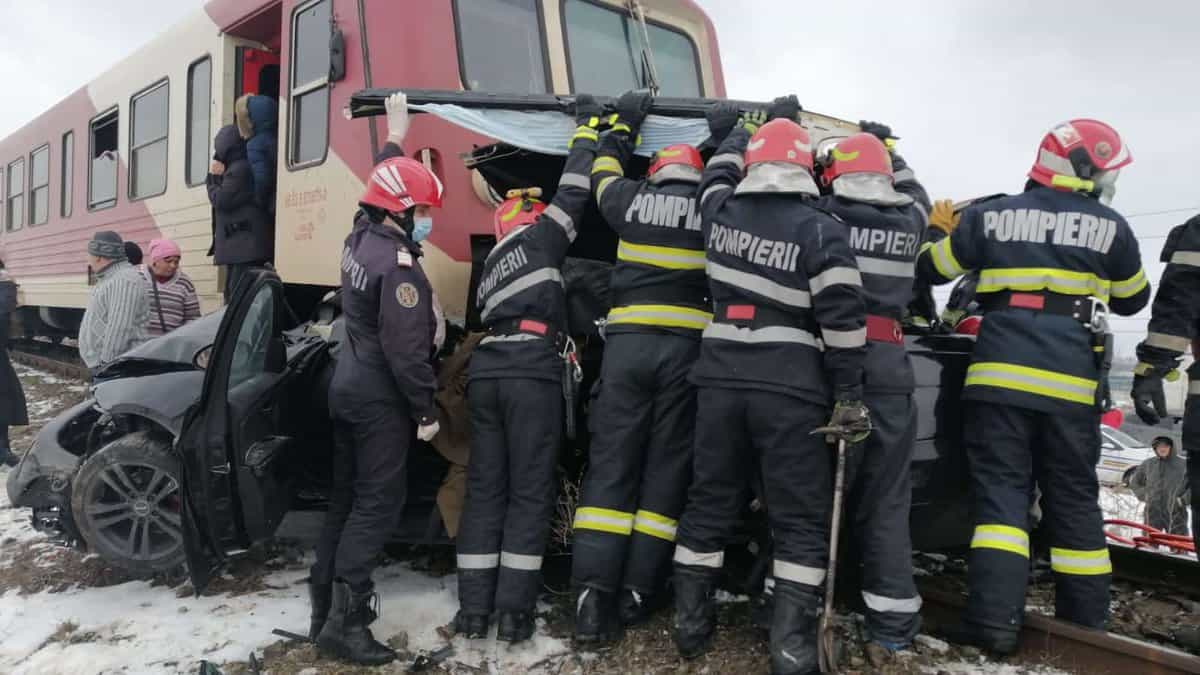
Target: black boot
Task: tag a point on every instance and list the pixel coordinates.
(695, 610)
(320, 598)
(471, 626)
(794, 629)
(596, 622)
(7, 456)
(762, 610)
(994, 641)
(636, 607)
(345, 634)
(514, 626)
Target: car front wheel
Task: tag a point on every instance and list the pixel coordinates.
(126, 502)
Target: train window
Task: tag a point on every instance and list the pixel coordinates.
(309, 103)
(604, 49)
(148, 142)
(67, 197)
(199, 122)
(500, 45)
(102, 167)
(15, 206)
(39, 185)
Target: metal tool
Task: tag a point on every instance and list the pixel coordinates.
(826, 654)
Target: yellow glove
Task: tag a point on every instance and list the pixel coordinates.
(943, 216)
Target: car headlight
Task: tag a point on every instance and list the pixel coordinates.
(202, 357)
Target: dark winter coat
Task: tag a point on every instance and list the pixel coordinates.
(1162, 484)
(242, 231)
(12, 397)
(257, 119)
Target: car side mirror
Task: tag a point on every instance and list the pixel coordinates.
(337, 56)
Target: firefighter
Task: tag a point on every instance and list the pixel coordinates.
(1174, 326)
(381, 394)
(515, 396)
(643, 416)
(886, 209)
(1048, 260)
(788, 336)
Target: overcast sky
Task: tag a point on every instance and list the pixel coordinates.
(970, 86)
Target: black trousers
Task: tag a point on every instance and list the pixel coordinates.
(640, 465)
(1191, 443)
(738, 427)
(516, 435)
(234, 274)
(879, 500)
(372, 436)
(1008, 449)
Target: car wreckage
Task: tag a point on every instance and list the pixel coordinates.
(192, 447)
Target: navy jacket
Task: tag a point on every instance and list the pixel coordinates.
(242, 231)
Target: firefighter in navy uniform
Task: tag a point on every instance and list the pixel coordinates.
(381, 395)
(1047, 259)
(788, 336)
(644, 414)
(887, 221)
(515, 395)
(1174, 326)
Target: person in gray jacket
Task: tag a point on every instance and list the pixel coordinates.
(12, 397)
(118, 309)
(1161, 482)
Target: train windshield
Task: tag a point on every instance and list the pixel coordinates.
(605, 46)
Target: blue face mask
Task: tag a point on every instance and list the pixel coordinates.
(422, 226)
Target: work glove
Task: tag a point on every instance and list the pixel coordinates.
(397, 117)
(587, 111)
(722, 117)
(881, 131)
(752, 120)
(428, 429)
(943, 216)
(1149, 400)
(852, 416)
(784, 107)
(632, 108)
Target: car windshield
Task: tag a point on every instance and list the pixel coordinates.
(1123, 438)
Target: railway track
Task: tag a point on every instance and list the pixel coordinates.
(50, 357)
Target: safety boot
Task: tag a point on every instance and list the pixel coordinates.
(794, 630)
(514, 626)
(637, 607)
(320, 598)
(762, 610)
(596, 622)
(345, 634)
(695, 610)
(471, 626)
(994, 641)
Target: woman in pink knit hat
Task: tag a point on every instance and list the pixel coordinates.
(173, 300)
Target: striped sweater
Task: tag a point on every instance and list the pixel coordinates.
(172, 302)
(115, 319)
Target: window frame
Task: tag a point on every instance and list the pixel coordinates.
(129, 182)
(187, 134)
(9, 196)
(31, 188)
(295, 92)
(66, 204)
(108, 204)
(562, 13)
(542, 35)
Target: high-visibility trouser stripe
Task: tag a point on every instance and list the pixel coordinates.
(575, 180)
(520, 561)
(667, 257)
(844, 339)
(1001, 538)
(1175, 343)
(660, 315)
(943, 259)
(832, 277)
(522, 283)
(1067, 282)
(478, 561)
(607, 164)
(655, 525)
(881, 603)
(1071, 561)
(760, 285)
(886, 268)
(604, 183)
(686, 556)
(725, 331)
(603, 520)
(1131, 286)
(713, 189)
(728, 158)
(1191, 258)
(566, 222)
(1034, 380)
(800, 574)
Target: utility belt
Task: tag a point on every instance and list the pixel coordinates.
(572, 373)
(665, 294)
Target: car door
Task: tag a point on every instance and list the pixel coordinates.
(230, 446)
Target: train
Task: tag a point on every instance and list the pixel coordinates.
(130, 150)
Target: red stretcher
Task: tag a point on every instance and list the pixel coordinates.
(1151, 537)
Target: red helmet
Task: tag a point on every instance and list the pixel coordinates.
(517, 210)
(1077, 152)
(968, 325)
(684, 158)
(780, 140)
(400, 183)
(860, 153)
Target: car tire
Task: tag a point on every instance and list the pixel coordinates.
(126, 503)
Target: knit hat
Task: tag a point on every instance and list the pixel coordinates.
(163, 248)
(107, 244)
